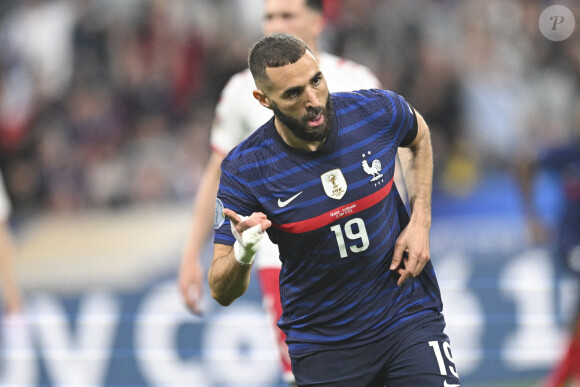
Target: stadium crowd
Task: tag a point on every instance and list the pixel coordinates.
(108, 103)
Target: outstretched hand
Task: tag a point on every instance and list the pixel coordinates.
(242, 223)
(248, 231)
(414, 241)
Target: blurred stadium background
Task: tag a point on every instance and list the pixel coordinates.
(105, 109)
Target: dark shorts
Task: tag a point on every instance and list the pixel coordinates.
(416, 355)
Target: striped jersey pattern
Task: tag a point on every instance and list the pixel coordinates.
(336, 215)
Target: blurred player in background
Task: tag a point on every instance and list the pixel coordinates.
(564, 161)
(237, 116)
(14, 335)
(12, 301)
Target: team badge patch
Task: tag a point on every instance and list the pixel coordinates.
(373, 169)
(334, 184)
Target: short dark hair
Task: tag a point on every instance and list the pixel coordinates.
(274, 50)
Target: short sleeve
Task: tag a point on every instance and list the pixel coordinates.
(402, 117)
(233, 194)
(412, 134)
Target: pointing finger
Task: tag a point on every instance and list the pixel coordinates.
(232, 215)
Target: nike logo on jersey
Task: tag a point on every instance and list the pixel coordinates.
(445, 384)
(284, 203)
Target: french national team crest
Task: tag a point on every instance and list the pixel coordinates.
(374, 169)
(334, 184)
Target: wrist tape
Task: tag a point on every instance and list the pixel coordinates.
(247, 244)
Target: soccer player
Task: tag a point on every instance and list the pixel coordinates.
(10, 290)
(237, 115)
(361, 304)
(564, 162)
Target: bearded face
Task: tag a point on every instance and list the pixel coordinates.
(301, 127)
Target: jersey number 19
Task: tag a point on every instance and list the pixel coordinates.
(359, 233)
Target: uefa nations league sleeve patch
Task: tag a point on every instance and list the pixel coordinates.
(218, 216)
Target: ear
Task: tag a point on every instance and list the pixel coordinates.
(261, 97)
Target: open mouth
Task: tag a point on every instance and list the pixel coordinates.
(316, 120)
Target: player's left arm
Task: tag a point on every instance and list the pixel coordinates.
(414, 239)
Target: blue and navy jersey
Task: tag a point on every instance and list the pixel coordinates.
(336, 215)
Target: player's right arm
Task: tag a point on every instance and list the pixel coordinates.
(227, 279)
(229, 273)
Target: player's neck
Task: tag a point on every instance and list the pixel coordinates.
(295, 142)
